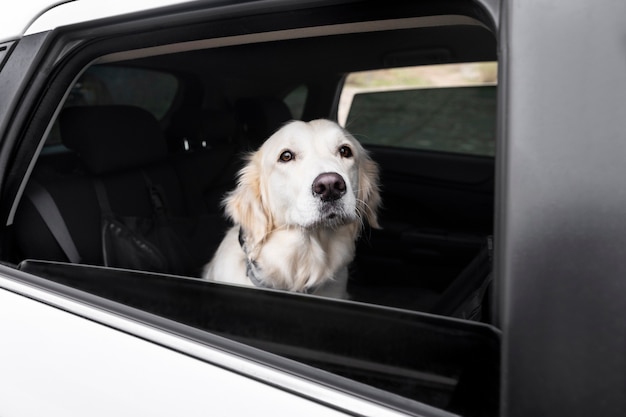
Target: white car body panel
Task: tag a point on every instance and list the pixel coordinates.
(77, 367)
(34, 16)
(89, 10)
(87, 361)
(19, 15)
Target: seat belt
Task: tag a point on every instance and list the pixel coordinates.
(49, 212)
(464, 296)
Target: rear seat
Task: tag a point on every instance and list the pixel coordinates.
(259, 118)
(208, 169)
(120, 146)
(123, 148)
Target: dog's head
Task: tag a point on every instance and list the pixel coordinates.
(306, 175)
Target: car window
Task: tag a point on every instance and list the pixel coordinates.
(105, 85)
(99, 85)
(450, 108)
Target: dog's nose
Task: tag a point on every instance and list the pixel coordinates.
(329, 186)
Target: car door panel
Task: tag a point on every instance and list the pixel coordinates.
(437, 213)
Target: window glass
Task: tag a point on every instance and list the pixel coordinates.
(449, 108)
(101, 85)
(113, 85)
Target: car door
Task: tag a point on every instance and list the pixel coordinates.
(303, 354)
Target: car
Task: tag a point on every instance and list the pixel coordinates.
(494, 286)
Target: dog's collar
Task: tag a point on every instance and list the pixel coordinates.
(253, 270)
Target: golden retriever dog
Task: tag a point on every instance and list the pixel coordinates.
(300, 203)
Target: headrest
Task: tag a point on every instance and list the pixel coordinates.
(220, 127)
(195, 128)
(112, 138)
(261, 117)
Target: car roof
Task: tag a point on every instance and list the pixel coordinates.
(34, 16)
(14, 23)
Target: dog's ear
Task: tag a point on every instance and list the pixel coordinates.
(245, 204)
(368, 195)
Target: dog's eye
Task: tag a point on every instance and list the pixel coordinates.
(345, 151)
(286, 156)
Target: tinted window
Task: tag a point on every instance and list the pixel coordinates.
(101, 85)
(110, 85)
(439, 114)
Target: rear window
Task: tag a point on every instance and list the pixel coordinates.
(105, 85)
(100, 85)
(449, 108)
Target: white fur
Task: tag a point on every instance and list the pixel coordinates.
(297, 241)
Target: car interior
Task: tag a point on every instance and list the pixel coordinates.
(144, 135)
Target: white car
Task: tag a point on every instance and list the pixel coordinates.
(494, 287)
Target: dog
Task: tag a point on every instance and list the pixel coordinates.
(299, 206)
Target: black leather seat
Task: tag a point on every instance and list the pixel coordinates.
(123, 149)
